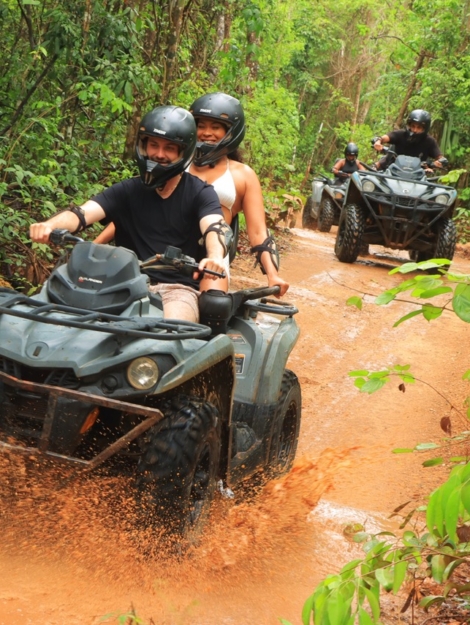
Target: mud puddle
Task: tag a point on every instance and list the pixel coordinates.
(74, 555)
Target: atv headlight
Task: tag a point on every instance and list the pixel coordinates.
(441, 199)
(142, 373)
(368, 186)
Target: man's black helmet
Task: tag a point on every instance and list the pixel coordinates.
(420, 117)
(227, 110)
(174, 124)
(351, 148)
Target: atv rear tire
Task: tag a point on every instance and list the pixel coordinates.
(286, 426)
(308, 222)
(179, 466)
(350, 230)
(326, 215)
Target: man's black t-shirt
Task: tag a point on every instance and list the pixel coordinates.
(422, 146)
(147, 223)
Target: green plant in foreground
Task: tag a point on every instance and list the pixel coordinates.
(353, 595)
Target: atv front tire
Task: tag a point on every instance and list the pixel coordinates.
(446, 240)
(445, 244)
(286, 426)
(179, 466)
(349, 236)
(326, 215)
(308, 221)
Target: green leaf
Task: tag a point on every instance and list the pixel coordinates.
(371, 386)
(350, 566)
(360, 372)
(424, 446)
(374, 603)
(431, 312)
(385, 298)
(408, 316)
(450, 568)
(337, 609)
(354, 301)
(451, 513)
(405, 268)
(402, 450)
(401, 367)
(466, 375)
(438, 566)
(433, 462)
(399, 574)
(307, 609)
(364, 618)
(359, 382)
(465, 496)
(427, 602)
(434, 292)
(461, 302)
(379, 374)
(385, 578)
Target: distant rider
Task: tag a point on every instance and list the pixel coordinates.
(414, 141)
(345, 167)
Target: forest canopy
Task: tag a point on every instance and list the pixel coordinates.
(78, 75)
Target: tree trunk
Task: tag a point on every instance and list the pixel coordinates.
(176, 15)
(411, 88)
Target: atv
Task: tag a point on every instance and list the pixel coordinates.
(92, 375)
(323, 207)
(400, 209)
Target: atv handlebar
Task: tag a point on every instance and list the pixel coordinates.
(172, 259)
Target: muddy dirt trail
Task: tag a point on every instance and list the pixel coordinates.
(69, 557)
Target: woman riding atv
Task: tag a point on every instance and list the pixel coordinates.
(345, 167)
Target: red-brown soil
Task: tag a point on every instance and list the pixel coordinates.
(67, 557)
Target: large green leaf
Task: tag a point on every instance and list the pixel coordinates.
(461, 302)
(385, 578)
(399, 574)
(451, 513)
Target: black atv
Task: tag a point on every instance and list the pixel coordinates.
(92, 374)
(400, 209)
(323, 207)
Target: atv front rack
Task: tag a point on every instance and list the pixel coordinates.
(141, 327)
(152, 416)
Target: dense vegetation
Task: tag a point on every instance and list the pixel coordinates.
(78, 75)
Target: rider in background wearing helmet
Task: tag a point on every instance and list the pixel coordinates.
(220, 130)
(414, 141)
(163, 206)
(345, 167)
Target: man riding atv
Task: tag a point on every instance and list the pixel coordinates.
(164, 206)
(414, 141)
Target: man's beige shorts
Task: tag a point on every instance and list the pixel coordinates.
(178, 293)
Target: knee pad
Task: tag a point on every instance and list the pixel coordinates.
(215, 310)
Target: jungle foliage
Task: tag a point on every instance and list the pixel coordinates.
(78, 75)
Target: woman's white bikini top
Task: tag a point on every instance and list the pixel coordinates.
(225, 188)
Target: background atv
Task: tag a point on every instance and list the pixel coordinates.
(400, 209)
(91, 373)
(323, 207)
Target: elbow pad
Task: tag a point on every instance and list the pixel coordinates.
(76, 210)
(224, 234)
(268, 245)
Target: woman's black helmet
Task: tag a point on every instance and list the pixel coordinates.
(174, 124)
(226, 110)
(351, 148)
(420, 117)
